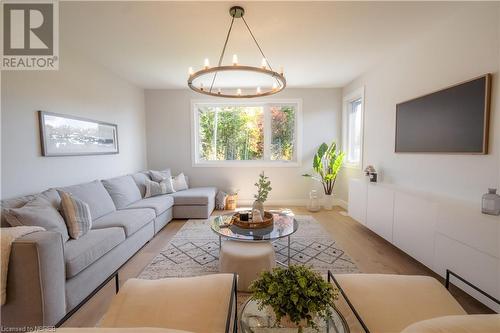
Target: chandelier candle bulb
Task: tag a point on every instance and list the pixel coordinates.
(218, 91)
(275, 86)
(264, 63)
(190, 70)
(258, 90)
(235, 60)
(207, 63)
(238, 92)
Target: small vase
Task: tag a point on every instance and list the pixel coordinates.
(328, 202)
(258, 206)
(314, 204)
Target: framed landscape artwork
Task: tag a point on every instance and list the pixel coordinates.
(63, 135)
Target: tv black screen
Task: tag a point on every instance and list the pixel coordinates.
(452, 120)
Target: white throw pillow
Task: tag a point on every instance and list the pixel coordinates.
(180, 182)
(158, 188)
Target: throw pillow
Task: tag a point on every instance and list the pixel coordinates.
(159, 176)
(180, 182)
(158, 188)
(76, 214)
(37, 212)
(220, 200)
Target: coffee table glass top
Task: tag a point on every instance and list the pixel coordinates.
(284, 225)
(253, 320)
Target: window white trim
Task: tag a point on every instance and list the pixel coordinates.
(346, 100)
(195, 162)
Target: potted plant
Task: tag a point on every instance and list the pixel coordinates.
(263, 189)
(297, 295)
(327, 163)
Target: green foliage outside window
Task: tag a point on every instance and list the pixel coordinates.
(237, 133)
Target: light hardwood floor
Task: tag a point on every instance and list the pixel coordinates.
(371, 253)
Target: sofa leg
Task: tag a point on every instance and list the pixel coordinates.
(117, 283)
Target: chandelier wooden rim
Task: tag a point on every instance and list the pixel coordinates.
(279, 77)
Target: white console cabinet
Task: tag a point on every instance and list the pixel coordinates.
(439, 232)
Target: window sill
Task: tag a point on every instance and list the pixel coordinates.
(246, 164)
(352, 166)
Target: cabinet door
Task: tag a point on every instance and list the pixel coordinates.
(414, 223)
(357, 200)
(380, 210)
(477, 267)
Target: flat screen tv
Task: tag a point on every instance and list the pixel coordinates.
(454, 120)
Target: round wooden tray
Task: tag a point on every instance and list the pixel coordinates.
(267, 221)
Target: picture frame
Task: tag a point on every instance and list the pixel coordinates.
(66, 135)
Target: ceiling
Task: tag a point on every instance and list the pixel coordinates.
(319, 44)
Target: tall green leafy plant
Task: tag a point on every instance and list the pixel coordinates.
(263, 188)
(326, 164)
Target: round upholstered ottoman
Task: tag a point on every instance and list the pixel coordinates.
(247, 259)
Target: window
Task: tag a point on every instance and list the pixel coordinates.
(353, 128)
(246, 134)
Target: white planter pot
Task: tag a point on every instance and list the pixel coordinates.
(328, 201)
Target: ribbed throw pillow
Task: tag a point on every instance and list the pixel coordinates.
(76, 214)
(158, 188)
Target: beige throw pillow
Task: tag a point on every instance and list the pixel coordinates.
(76, 215)
(158, 188)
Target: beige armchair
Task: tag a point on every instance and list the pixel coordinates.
(201, 304)
(409, 304)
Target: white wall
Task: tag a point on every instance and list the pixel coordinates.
(169, 143)
(464, 47)
(79, 88)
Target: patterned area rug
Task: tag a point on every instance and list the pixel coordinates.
(194, 250)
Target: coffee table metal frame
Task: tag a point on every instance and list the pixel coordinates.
(272, 240)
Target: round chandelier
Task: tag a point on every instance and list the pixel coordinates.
(277, 78)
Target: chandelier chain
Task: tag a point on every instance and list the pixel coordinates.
(222, 53)
(257, 43)
(260, 49)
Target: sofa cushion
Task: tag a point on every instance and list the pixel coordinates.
(159, 203)
(82, 252)
(95, 195)
(123, 190)
(140, 180)
(37, 212)
(195, 196)
(130, 220)
(486, 323)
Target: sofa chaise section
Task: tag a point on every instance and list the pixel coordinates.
(196, 203)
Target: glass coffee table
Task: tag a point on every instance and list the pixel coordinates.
(284, 225)
(253, 320)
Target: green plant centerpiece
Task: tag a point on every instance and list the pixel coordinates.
(326, 164)
(263, 188)
(296, 293)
